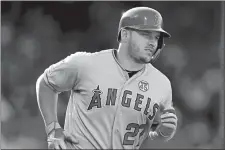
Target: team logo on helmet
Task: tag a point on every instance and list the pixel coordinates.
(157, 20)
(143, 86)
(145, 20)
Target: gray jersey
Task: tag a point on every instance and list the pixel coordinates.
(107, 109)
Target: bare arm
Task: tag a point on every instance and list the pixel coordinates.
(47, 101)
(58, 77)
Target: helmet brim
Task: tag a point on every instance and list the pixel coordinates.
(165, 34)
(146, 28)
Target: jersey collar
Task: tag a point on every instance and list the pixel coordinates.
(114, 53)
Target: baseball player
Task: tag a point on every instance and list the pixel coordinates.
(116, 94)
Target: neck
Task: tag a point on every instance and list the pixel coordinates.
(126, 61)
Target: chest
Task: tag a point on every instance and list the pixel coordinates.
(109, 88)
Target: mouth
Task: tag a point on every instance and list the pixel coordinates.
(149, 50)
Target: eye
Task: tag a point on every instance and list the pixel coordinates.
(144, 33)
(157, 37)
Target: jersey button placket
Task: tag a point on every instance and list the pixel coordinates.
(118, 114)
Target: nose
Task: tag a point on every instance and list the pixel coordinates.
(152, 44)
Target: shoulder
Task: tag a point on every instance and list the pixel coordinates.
(82, 59)
(103, 54)
(159, 76)
(79, 55)
(82, 55)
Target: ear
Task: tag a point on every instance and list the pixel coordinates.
(125, 35)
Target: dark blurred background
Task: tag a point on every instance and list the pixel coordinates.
(36, 34)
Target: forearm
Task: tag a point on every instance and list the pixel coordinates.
(159, 131)
(47, 101)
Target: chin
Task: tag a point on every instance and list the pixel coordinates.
(145, 60)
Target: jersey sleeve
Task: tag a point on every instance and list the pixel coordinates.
(62, 76)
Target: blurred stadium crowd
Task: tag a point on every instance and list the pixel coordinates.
(36, 34)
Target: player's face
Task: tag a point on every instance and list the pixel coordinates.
(142, 45)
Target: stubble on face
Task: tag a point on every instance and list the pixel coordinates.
(137, 54)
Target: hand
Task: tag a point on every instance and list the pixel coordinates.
(168, 123)
(60, 139)
(153, 135)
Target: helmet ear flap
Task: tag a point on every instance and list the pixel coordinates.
(159, 49)
(160, 42)
(119, 36)
(156, 55)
